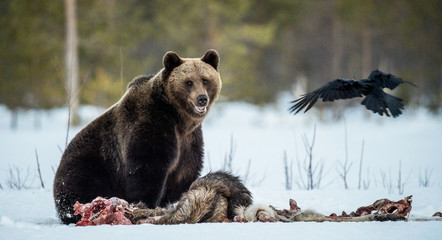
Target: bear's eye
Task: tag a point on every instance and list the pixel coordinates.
(189, 83)
(205, 81)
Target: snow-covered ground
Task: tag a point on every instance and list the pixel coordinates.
(260, 137)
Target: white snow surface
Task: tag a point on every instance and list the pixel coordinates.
(260, 137)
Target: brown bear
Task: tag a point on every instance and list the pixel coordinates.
(147, 147)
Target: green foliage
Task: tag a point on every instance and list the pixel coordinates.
(103, 91)
(264, 45)
(30, 56)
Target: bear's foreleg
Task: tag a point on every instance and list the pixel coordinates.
(147, 168)
(145, 184)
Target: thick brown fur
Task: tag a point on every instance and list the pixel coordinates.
(212, 198)
(148, 146)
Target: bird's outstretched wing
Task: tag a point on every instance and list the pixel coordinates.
(334, 90)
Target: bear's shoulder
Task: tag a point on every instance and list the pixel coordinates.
(139, 80)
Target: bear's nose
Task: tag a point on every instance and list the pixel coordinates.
(202, 100)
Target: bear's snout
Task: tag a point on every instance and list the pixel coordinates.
(200, 106)
(202, 100)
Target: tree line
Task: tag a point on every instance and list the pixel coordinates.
(266, 46)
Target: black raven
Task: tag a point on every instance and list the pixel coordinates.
(375, 100)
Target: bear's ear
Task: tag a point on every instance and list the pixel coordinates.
(211, 57)
(171, 60)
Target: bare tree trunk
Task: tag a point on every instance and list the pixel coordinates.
(14, 118)
(366, 50)
(337, 41)
(72, 60)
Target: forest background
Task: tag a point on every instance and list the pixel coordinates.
(266, 47)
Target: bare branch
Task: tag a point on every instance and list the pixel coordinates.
(366, 182)
(16, 180)
(401, 183)
(360, 165)
(38, 170)
(228, 159)
(387, 183)
(288, 172)
(300, 184)
(121, 71)
(312, 171)
(345, 167)
(424, 181)
(246, 176)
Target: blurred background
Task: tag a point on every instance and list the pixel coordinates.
(58, 55)
(266, 47)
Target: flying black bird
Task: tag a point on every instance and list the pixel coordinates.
(375, 100)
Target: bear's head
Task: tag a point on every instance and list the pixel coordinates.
(192, 84)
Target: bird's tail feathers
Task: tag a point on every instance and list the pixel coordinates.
(386, 105)
(374, 104)
(394, 104)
